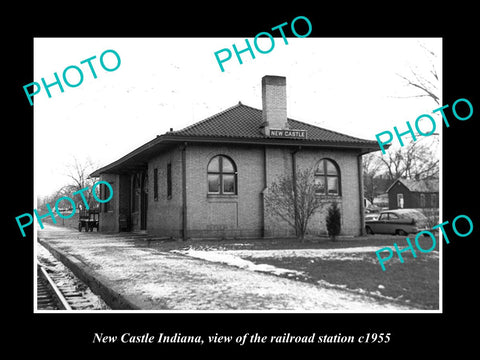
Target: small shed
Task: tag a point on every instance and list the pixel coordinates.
(413, 194)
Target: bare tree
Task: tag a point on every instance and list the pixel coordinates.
(415, 160)
(52, 198)
(372, 167)
(425, 81)
(78, 172)
(294, 207)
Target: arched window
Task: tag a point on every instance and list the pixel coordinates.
(222, 175)
(327, 178)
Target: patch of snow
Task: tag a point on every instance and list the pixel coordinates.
(361, 291)
(351, 254)
(226, 258)
(122, 245)
(314, 253)
(242, 244)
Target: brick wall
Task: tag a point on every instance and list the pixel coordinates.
(108, 221)
(274, 101)
(124, 199)
(164, 216)
(279, 162)
(230, 216)
(211, 215)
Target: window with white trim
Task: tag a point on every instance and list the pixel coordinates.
(222, 176)
(327, 178)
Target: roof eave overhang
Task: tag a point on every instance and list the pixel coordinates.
(144, 152)
(371, 146)
(134, 160)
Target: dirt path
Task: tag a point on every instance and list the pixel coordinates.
(171, 281)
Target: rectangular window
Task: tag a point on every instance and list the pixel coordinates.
(155, 184)
(400, 201)
(434, 200)
(320, 185)
(135, 193)
(422, 200)
(169, 181)
(229, 184)
(214, 183)
(332, 185)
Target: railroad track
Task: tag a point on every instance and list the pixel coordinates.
(49, 296)
(59, 289)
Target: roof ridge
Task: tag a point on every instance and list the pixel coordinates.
(417, 180)
(430, 184)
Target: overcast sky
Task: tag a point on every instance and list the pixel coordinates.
(345, 85)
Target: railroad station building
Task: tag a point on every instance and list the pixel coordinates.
(209, 179)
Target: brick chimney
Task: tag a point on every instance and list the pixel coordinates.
(274, 103)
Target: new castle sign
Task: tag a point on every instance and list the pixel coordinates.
(288, 133)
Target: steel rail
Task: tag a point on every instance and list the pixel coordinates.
(62, 302)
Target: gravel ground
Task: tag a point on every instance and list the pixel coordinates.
(159, 280)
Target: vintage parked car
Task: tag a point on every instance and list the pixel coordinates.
(371, 216)
(398, 222)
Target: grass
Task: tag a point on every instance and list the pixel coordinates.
(289, 243)
(414, 282)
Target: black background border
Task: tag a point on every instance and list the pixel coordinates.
(422, 332)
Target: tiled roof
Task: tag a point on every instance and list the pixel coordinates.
(242, 121)
(239, 124)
